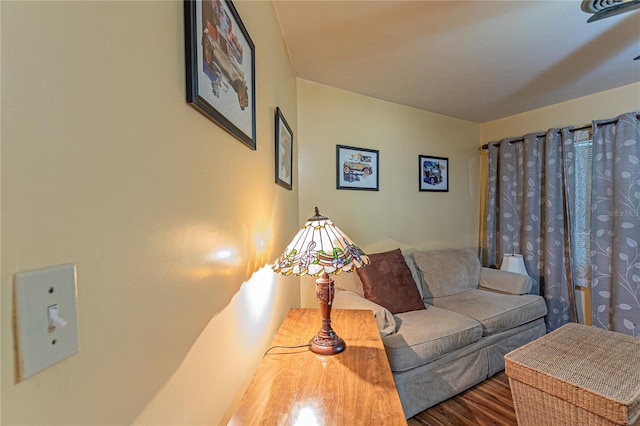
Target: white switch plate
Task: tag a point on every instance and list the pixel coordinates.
(39, 346)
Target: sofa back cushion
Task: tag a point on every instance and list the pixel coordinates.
(348, 281)
(387, 281)
(447, 272)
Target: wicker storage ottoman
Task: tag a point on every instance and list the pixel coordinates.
(576, 375)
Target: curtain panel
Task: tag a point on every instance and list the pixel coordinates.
(527, 213)
(615, 225)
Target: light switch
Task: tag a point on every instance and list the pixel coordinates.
(54, 319)
(46, 317)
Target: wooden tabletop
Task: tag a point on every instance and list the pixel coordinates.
(296, 386)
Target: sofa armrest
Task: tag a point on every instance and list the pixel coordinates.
(506, 282)
(384, 319)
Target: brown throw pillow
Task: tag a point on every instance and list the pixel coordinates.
(387, 281)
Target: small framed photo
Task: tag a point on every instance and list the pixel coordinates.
(284, 151)
(220, 67)
(434, 173)
(357, 168)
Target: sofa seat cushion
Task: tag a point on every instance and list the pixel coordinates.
(426, 335)
(496, 312)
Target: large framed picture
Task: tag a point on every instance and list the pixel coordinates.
(433, 173)
(357, 168)
(284, 151)
(220, 67)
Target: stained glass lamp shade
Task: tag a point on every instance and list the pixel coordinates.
(320, 248)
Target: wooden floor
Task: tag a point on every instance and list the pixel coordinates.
(487, 404)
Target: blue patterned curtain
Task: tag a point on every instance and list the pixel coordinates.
(527, 213)
(615, 225)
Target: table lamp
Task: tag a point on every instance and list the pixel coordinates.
(513, 263)
(320, 249)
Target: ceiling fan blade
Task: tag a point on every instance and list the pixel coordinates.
(617, 9)
(636, 58)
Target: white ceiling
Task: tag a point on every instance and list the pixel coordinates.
(473, 60)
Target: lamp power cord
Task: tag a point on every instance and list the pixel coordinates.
(286, 347)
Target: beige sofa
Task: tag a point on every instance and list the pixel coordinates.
(473, 317)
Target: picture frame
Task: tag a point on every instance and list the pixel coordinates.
(220, 67)
(433, 173)
(284, 151)
(357, 168)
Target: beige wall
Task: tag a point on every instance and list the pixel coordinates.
(397, 215)
(577, 113)
(106, 166)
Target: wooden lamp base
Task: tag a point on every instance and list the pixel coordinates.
(326, 342)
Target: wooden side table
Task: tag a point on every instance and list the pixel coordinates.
(296, 386)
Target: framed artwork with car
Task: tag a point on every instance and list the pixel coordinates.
(357, 168)
(433, 173)
(220, 67)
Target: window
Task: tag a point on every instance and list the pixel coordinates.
(581, 208)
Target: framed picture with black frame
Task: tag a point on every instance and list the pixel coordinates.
(357, 168)
(433, 173)
(284, 151)
(220, 67)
